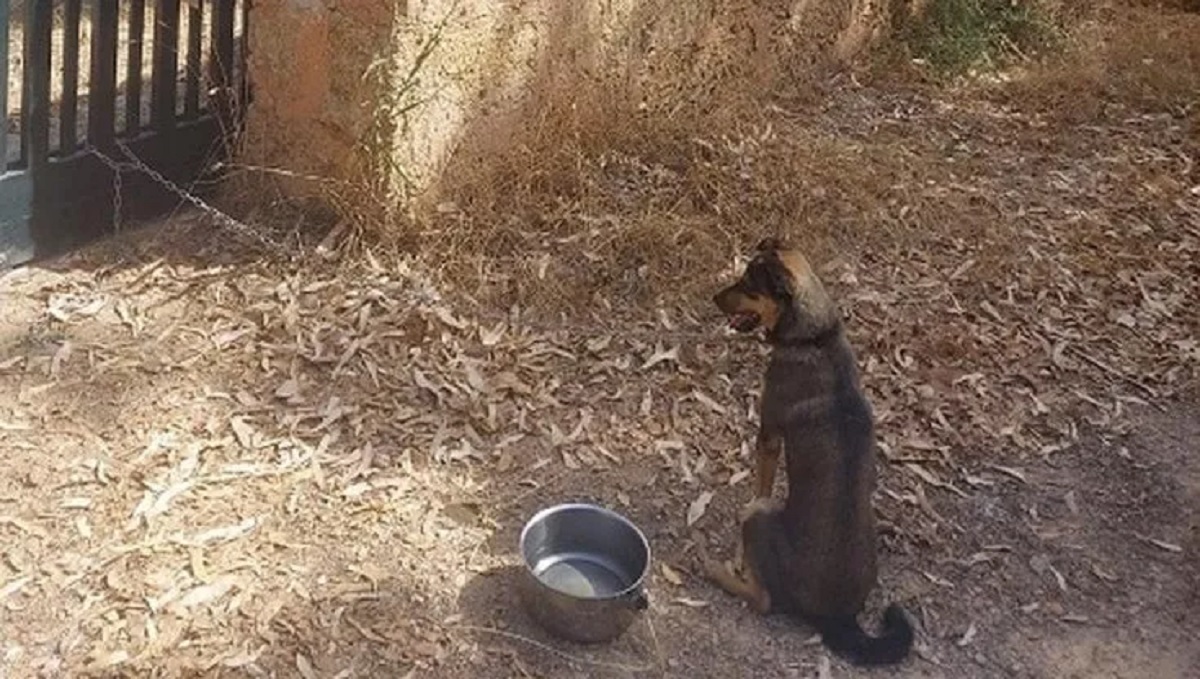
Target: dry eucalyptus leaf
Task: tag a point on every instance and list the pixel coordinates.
(305, 667)
(287, 390)
(1164, 545)
(824, 667)
(691, 603)
(243, 432)
(968, 636)
(661, 355)
(14, 586)
(709, 403)
(1010, 471)
(671, 575)
(198, 596)
(61, 356)
(698, 507)
(76, 503)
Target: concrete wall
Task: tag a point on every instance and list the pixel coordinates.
(326, 72)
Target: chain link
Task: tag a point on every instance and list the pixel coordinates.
(117, 169)
(136, 164)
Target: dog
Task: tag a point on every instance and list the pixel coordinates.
(813, 556)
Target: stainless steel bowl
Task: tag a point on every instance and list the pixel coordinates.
(585, 567)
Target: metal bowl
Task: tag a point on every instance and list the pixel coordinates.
(585, 567)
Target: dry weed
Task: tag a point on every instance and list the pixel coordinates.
(1127, 59)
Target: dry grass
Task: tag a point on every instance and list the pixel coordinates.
(597, 194)
(1125, 61)
(604, 193)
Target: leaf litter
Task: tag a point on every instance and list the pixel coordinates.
(364, 410)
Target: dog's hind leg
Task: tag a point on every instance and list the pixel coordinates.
(746, 587)
(756, 554)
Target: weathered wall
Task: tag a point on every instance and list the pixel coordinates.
(443, 71)
(307, 61)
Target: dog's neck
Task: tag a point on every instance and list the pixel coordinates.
(797, 328)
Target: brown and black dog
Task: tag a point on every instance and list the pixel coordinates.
(813, 556)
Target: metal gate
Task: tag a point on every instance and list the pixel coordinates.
(111, 109)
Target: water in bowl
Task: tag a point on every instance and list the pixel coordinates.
(583, 575)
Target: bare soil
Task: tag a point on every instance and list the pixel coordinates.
(220, 464)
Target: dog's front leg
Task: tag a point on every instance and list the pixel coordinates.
(768, 448)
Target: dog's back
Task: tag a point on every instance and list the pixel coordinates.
(812, 396)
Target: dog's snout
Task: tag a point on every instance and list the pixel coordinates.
(721, 299)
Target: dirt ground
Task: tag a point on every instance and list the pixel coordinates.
(221, 464)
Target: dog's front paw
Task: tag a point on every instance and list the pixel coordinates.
(716, 570)
(755, 506)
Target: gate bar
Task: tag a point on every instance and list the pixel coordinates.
(133, 67)
(69, 106)
(166, 64)
(221, 65)
(191, 92)
(102, 90)
(36, 82)
(4, 86)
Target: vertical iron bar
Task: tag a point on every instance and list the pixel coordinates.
(4, 86)
(244, 57)
(36, 122)
(133, 67)
(69, 104)
(221, 65)
(191, 96)
(102, 89)
(166, 64)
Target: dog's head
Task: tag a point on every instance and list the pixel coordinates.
(780, 293)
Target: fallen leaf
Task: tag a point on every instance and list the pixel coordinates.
(288, 390)
(203, 594)
(1103, 574)
(243, 432)
(225, 533)
(1010, 471)
(670, 574)
(492, 337)
(738, 477)
(61, 356)
(824, 668)
(1163, 544)
(698, 507)
(76, 503)
(23, 525)
(14, 586)
(707, 402)
(224, 339)
(661, 355)
(968, 636)
(304, 665)
(937, 579)
(103, 661)
(691, 603)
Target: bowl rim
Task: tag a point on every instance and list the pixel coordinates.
(541, 514)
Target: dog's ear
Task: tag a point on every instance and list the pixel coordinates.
(779, 279)
(770, 244)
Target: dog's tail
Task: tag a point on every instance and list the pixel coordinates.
(846, 638)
